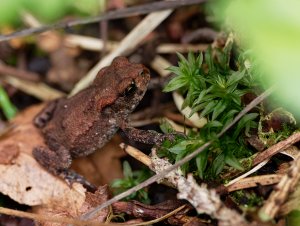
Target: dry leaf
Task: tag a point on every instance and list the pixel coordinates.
(22, 178)
(103, 166)
(92, 200)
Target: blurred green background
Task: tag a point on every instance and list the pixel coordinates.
(46, 10)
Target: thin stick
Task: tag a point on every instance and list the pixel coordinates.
(94, 212)
(44, 218)
(116, 14)
(22, 74)
(282, 145)
(158, 219)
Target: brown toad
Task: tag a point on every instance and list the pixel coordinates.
(79, 125)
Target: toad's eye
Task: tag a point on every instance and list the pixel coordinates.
(142, 73)
(130, 89)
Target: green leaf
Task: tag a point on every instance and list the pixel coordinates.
(166, 127)
(175, 70)
(208, 108)
(219, 108)
(127, 171)
(8, 108)
(212, 124)
(197, 108)
(182, 60)
(180, 147)
(235, 77)
(200, 97)
(201, 162)
(199, 60)
(209, 60)
(235, 98)
(218, 164)
(244, 120)
(175, 84)
(231, 160)
(191, 58)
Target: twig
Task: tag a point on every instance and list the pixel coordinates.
(281, 192)
(137, 154)
(161, 175)
(116, 14)
(39, 90)
(8, 70)
(158, 219)
(43, 218)
(254, 181)
(246, 174)
(166, 48)
(276, 148)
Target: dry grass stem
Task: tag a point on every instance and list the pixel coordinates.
(54, 219)
(137, 154)
(254, 181)
(38, 90)
(181, 48)
(158, 219)
(281, 146)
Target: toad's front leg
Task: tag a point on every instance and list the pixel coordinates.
(147, 136)
(46, 114)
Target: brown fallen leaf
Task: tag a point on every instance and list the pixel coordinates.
(91, 201)
(22, 178)
(102, 167)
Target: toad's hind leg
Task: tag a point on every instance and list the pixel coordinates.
(56, 162)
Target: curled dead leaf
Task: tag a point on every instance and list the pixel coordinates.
(22, 178)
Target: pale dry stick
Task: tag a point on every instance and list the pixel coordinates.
(160, 64)
(116, 14)
(54, 219)
(148, 24)
(189, 157)
(39, 90)
(289, 151)
(253, 170)
(137, 154)
(282, 145)
(281, 192)
(251, 182)
(84, 42)
(145, 159)
(167, 48)
(88, 43)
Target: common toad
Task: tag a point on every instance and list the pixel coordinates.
(81, 124)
